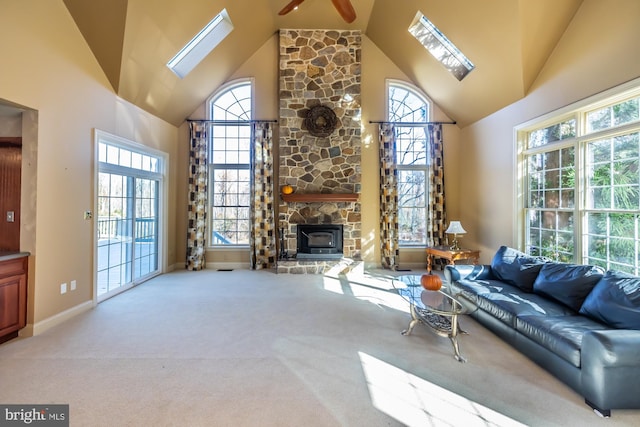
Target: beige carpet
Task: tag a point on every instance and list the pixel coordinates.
(252, 348)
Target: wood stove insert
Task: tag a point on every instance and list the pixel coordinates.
(319, 241)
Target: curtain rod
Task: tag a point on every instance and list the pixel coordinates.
(413, 123)
(231, 122)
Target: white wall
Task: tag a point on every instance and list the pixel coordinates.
(598, 51)
(48, 67)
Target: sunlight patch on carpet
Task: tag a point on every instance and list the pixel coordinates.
(366, 290)
(416, 402)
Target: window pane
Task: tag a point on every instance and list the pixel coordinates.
(614, 173)
(557, 132)
(112, 155)
(411, 188)
(622, 113)
(136, 161)
(230, 166)
(551, 191)
(412, 203)
(412, 226)
(411, 158)
(613, 241)
(411, 146)
(608, 231)
(405, 106)
(552, 179)
(551, 234)
(125, 157)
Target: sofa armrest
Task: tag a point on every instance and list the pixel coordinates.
(611, 368)
(466, 271)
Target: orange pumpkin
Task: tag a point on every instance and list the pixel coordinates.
(287, 189)
(431, 282)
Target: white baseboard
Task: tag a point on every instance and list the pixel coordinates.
(39, 327)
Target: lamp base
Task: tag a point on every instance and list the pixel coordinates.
(454, 246)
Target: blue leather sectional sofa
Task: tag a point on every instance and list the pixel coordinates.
(580, 323)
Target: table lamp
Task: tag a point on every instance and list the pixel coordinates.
(455, 228)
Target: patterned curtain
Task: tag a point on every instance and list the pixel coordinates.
(390, 251)
(197, 213)
(263, 238)
(436, 218)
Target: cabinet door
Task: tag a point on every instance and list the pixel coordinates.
(13, 304)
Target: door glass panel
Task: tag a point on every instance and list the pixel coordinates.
(114, 232)
(146, 247)
(127, 218)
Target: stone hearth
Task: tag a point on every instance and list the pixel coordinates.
(320, 67)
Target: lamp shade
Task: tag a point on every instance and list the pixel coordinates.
(455, 228)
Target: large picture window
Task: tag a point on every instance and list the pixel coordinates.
(230, 165)
(407, 105)
(581, 176)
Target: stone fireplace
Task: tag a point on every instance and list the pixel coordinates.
(319, 155)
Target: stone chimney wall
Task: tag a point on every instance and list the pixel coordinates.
(320, 68)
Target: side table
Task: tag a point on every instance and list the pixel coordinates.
(450, 255)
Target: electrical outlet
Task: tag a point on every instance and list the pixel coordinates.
(63, 288)
(73, 285)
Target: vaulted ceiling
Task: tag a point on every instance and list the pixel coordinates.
(509, 42)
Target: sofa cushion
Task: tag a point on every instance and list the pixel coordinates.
(561, 335)
(567, 283)
(615, 301)
(516, 268)
(506, 302)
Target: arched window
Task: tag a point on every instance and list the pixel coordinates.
(230, 164)
(407, 105)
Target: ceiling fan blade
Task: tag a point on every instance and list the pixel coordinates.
(288, 8)
(345, 9)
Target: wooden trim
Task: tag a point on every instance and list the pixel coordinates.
(320, 197)
(11, 141)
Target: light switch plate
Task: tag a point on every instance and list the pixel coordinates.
(11, 216)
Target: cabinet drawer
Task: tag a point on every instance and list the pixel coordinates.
(12, 267)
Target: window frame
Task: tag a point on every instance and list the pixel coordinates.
(157, 174)
(415, 91)
(580, 143)
(229, 86)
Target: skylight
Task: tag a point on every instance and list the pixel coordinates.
(201, 45)
(440, 47)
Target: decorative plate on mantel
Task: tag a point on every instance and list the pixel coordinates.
(321, 121)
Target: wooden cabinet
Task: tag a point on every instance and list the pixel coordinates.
(13, 297)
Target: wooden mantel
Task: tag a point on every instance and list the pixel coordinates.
(320, 197)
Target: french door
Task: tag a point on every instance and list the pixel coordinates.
(128, 220)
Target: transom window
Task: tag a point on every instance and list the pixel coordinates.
(407, 105)
(582, 185)
(230, 165)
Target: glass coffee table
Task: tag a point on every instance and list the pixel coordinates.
(437, 310)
